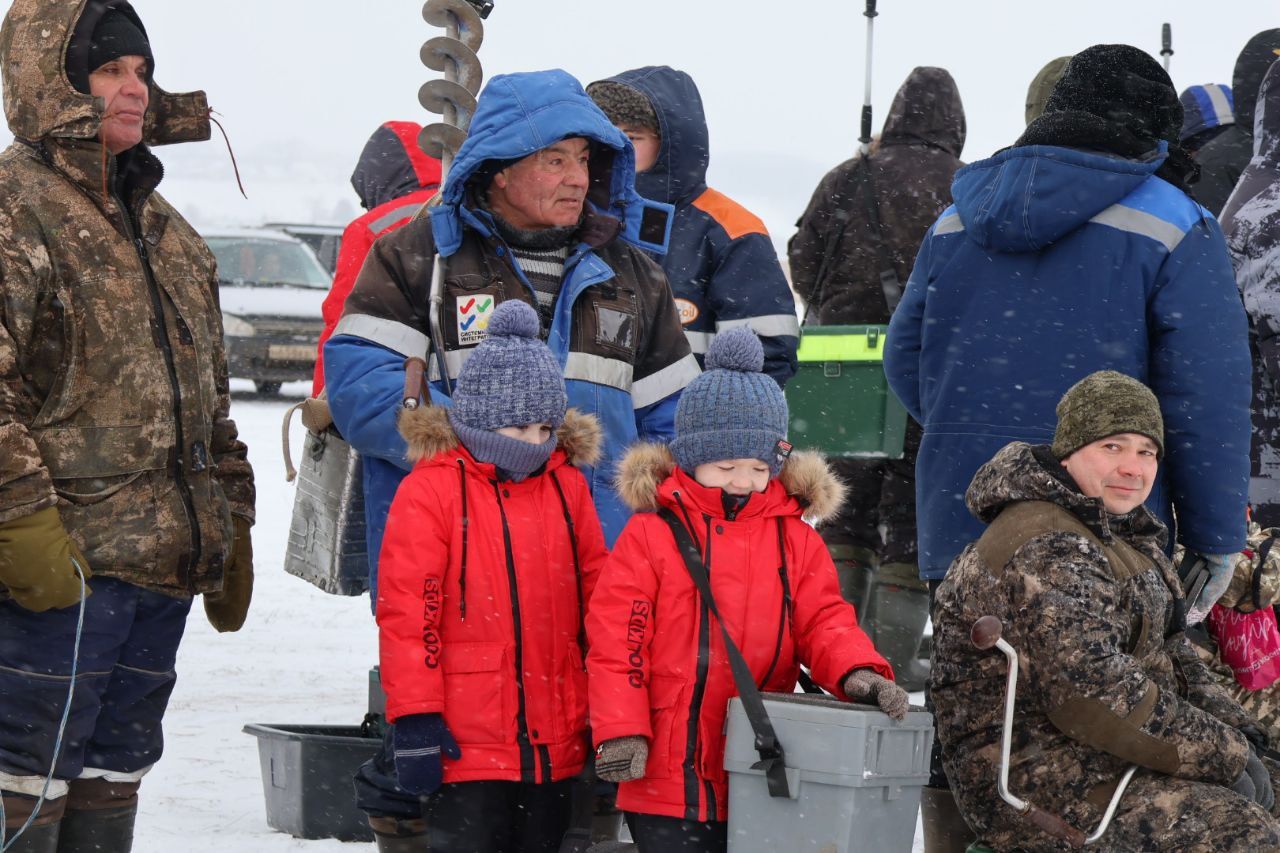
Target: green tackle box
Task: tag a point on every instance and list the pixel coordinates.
(839, 399)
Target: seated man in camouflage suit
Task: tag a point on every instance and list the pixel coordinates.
(1073, 566)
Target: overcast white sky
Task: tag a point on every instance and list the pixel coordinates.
(301, 84)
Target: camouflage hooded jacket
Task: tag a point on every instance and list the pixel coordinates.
(1107, 677)
(113, 380)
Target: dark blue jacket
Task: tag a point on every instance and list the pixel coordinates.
(630, 381)
(722, 266)
(1054, 263)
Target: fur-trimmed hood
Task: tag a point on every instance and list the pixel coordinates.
(805, 476)
(428, 431)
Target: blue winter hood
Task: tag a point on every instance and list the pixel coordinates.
(518, 114)
(680, 173)
(1028, 197)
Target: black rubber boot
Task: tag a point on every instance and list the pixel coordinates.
(399, 836)
(944, 828)
(98, 830)
(855, 569)
(37, 839)
(896, 613)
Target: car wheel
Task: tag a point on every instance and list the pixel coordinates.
(265, 387)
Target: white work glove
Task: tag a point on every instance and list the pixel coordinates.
(1221, 568)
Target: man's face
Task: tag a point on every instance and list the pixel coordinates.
(122, 84)
(1120, 469)
(646, 142)
(544, 190)
(735, 476)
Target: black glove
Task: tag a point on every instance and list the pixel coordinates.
(421, 743)
(1254, 783)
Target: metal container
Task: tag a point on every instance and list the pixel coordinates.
(855, 777)
(839, 399)
(327, 537)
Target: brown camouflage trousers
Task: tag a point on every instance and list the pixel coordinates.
(1262, 705)
(1169, 815)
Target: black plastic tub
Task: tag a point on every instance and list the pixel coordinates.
(306, 778)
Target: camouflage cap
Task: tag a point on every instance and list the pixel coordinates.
(1102, 404)
(1042, 84)
(623, 104)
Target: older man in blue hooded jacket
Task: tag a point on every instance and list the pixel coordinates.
(540, 205)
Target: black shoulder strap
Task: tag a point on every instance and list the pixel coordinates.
(889, 284)
(772, 759)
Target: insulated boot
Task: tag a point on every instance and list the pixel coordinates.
(399, 836)
(855, 569)
(944, 828)
(98, 830)
(896, 612)
(39, 838)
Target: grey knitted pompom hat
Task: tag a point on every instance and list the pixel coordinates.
(511, 379)
(733, 410)
(1102, 404)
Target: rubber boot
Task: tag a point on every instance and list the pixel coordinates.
(395, 835)
(98, 830)
(944, 828)
(897, 611)
(855, 569)
(39, 838)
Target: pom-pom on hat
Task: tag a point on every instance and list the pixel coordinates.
(733, 410)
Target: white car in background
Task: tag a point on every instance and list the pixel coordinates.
(271, 286)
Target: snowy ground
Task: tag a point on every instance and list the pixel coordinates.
(302, 658)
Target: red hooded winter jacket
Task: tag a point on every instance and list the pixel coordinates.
(480, 602)
(657, 663)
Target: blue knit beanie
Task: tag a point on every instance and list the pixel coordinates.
(510, 379)
(733, 410)
(1204, 108)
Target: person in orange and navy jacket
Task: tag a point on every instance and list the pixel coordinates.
(722, 265)
(394, 179)
(658, 674)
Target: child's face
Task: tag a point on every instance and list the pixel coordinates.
(735, 476)
(530, 433)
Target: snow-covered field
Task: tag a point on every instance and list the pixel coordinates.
(302, 658)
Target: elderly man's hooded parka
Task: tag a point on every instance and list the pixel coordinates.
(113, 385)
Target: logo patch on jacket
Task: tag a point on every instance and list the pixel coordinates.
(474, 311)
(687, 310)
(615, 328)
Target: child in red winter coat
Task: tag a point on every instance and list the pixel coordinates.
(659, 675)
(491, 550)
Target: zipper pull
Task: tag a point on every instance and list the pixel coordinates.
(141, 246)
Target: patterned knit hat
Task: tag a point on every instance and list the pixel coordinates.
(1102, 404)
(510, 379)
(623, 104)
(732, 411)
(1204, 108)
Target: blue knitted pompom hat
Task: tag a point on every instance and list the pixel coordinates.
(733, 410)
(511, 378)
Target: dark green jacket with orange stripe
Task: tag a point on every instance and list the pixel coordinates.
(720, 261)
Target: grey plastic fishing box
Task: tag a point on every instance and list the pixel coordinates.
(855, 777)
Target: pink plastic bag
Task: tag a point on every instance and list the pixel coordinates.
(1249, 643)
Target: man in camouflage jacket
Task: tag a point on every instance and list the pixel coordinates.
(1073, 566)
(117, 455)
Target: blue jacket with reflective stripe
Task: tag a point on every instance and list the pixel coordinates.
(1052, 264)
(722, 266)
(629, 377)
